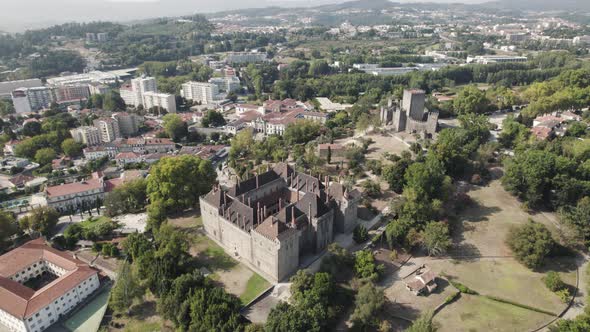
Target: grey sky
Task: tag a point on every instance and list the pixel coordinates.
(18, 15)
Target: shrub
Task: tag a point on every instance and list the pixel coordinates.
(393, 256)
(462, 288)
(553, 281)
(360, 234)
(564, 295)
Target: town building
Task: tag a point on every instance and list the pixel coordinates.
(162, 100)
(109, 77)
(64, 283)
(226, 84)
(109, 129)
(274, 219)
(129, 123)
(133, 92)
(422, 281)
(87, 135)
(26, 100)
(204, 93)
(335, 152)
(6, 88)
(487, 59)
(97, 152)
(73, 92)
(244, 57)
(87, 194)
(410, 115)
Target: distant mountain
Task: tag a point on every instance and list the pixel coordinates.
(541, 5)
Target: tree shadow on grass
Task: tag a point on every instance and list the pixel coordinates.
(144, 310)
(214, 258)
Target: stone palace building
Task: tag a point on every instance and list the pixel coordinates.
(274, 218)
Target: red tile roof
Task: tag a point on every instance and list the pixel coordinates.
(21, 301)
(73, 188)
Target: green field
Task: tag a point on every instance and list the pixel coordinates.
(256, 285)
(476, 313)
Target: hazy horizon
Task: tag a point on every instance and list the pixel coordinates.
(21, 15)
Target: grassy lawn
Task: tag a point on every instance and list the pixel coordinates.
(209, 253)
(141, 326)
(256, 285)
(508, 279)
(476, 313)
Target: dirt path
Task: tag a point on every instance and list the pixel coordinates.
(581, 299)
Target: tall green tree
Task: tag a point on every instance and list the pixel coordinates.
(174, 127)
(8, 227)
(126, 290)
(367, 304)
(41, 220)
(178, 182)
(531, 243)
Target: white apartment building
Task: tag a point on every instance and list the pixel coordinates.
(163, 100)
(34, 310)
(109, 129)
(226, 84)
(87, 135)
(133, 93)
(205, 93)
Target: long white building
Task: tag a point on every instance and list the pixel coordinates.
(163, 100)
(33, 310)
(205, 93)
(87, 135)
(133, 93)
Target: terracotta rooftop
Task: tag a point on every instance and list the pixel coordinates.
(21, 301)
(73, 188)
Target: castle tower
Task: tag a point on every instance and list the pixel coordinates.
(413, 104)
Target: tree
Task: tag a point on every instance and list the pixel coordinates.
(301, 131)
(360, 234)
(126, 290)
(531, 243)
(365, 266)
(528, 175)
(129, 197)
(513, 133)
(436, 238)
(71, 148)
(113, 102)
(371, 188)
(72, 234)
(32, 128)
(174, 127)
(213, 119)
(45, 156)
(423, 324)
(41, 220)
(368, 302)
(394, 174)
(338, 263)
(578, 217)
(471, 100)
(178, 182)
(553, 281)
(136, 245)
(577, 129)
(8, 227)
